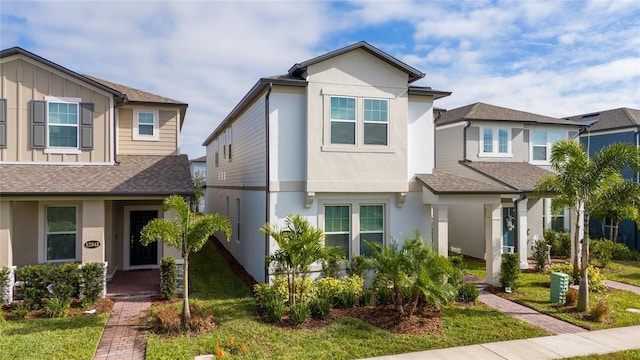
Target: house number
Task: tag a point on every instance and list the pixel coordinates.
(92, 244)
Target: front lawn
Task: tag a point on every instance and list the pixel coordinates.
(215, 288)
(61, 338)
(627, 272)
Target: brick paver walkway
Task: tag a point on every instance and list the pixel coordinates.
(125, 336)
(622, 286)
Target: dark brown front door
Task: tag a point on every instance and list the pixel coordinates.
(140, 254)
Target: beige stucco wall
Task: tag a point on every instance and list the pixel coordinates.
(25, 232)
(24, 80)
(167, 144)
(93, 228)
(356, 168)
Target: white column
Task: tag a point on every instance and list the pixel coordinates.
(441, 215)
(521, 236)
(93, 223)
(493, 241)
(6, 251)
(580, 218)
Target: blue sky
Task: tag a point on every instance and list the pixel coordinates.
(556, 58)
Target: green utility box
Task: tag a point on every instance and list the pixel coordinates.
(559, 287)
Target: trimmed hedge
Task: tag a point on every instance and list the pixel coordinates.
(168, 277)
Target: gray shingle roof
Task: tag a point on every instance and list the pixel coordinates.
(135, 175)
(441, 182)
(485, 112)
(137, 95)
(520, 176)
(610, 119)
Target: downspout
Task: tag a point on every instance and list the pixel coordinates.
(267, 248)
(114, 129)
(464, 141)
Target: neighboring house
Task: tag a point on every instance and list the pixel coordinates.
(199, 166)
(610, 127)
(84, 165)
(338, 139)
(506, 150)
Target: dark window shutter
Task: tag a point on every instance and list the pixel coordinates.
(86, 126)
(38, 124)
(3, 123)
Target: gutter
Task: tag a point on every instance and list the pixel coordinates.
(267, 248)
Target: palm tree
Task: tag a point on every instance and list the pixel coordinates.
(299, 246)
(617, 200)
(577, 180)
(187, 232)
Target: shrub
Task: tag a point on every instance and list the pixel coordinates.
(620, 251)
(358, 266)
(4, 276)
(367, 297)
(510, 270)
(272, 305)
(320, 307)
(458, 265)
(330, 267)
(19, 312)
(57, 307)
(299, 313)
(601, 251)
(383, 292)
(600, 311)
(571, 297)
(168, 277)
(468, 293)
(351, 288)
(560, 242)
(92, 282)
(596, 281)
(34, 287)
(328, 287)
(540, 254)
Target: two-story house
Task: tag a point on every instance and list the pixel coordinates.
(605, 128)
(84, 165)
(338, 139)
(505, 148)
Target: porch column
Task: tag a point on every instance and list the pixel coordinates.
(441, 215)
(523, 249)
(493, 241)
(93, 223)
(580, 219)
(6, 219)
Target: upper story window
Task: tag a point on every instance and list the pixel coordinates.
(376, 120)
(343, 120)
(146, 125)
(63, 124)
(495, 142)
(541, 142)
(229, 141)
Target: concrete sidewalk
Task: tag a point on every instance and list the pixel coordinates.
(542, 348)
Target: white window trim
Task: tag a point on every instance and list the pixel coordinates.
(156, 125)
(496, 142)
(387, 122)
(42, 231)
(548, 145)
(62, 149)
(354, 121)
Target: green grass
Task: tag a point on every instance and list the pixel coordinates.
(217, 290)
(61, 338)
(627, 272)
(620, 355)
(534, 293)
(475, 267)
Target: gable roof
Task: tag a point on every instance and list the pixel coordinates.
(414, 74)
(139, 175)
(441, 183)
(485, 112)
(609, 119)
(137, 95)
(520, 176)
(16, 50)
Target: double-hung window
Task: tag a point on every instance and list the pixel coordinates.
(146, 125)
(61, 233)
(495, 142)
(343, 120)
(371, 227)
(63, 124)
(337, 227)
(541, 142)
(376, 121)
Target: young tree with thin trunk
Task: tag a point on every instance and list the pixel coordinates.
(187, 232)
(578, 179)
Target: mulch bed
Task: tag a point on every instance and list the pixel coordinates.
(102, 306)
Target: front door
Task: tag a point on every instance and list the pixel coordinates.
(508, 230)
(140, 254)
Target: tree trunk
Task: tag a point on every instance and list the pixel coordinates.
(583, 292)
(615, 234)
(611, 231)
(576, 261)
(186, 311)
